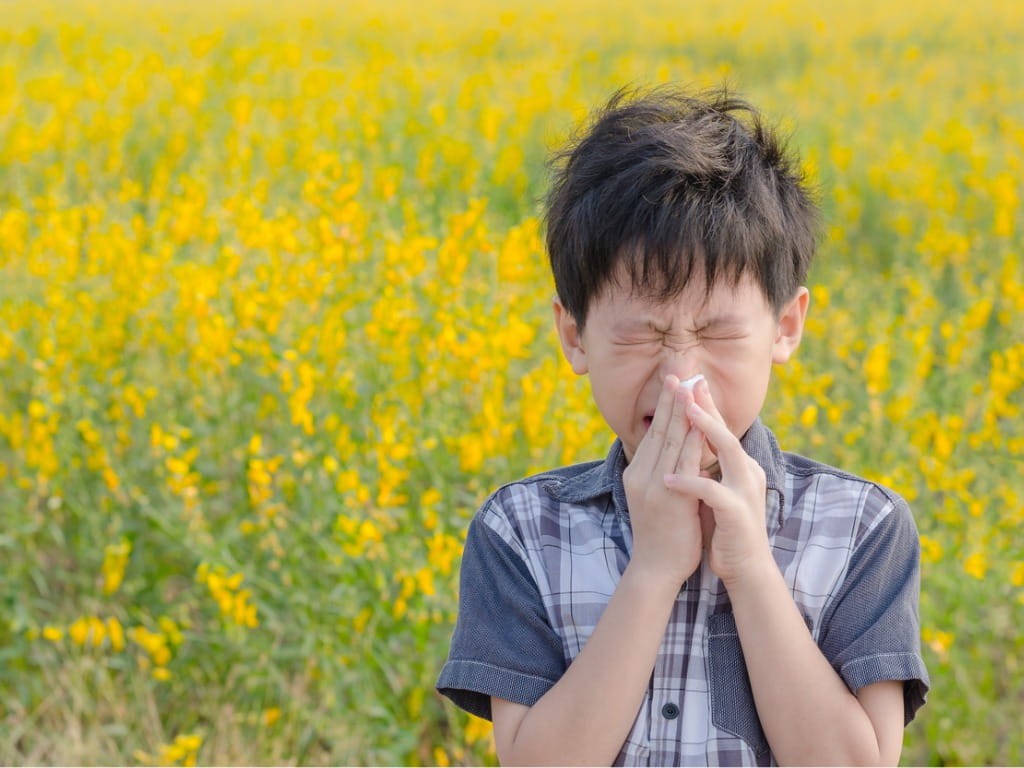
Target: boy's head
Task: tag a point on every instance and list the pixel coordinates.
(680, 234)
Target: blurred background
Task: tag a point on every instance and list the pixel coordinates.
(274, 320)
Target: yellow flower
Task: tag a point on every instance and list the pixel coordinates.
(876, 368)
(1017, 575)
(97, 631)
(79, 631)
(271, 716)
(361, 620)
(938, 640)
(931, 550)
(442, 552)
(809, 417)
(478, 729)
(976, 565)
(116, 634)
(897, 409)
(400, 607)
(425, 581)
(115, 559)
(369, 533)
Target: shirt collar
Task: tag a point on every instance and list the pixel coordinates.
(599, 479)
(605, 477)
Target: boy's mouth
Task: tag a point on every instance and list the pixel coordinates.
(648, 420)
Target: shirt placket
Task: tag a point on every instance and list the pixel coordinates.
(667, 687)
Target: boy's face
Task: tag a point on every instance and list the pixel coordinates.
(629, 344)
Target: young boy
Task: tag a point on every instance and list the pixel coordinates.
(699, 597)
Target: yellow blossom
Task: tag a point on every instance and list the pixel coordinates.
(876, 368)
(116, 633)
(931, 550)
(79, 631)
(115, 559)
(976, 565)
(1017, 576)
(809, 416)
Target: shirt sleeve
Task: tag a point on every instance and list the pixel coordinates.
(871, 630)
(503, 644)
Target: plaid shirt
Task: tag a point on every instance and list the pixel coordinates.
(544, 555)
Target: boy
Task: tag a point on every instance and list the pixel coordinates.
(699, 597)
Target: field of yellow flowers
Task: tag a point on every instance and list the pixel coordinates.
(274, 319)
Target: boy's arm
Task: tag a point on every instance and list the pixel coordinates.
(806, 710)
(585, 718)
(587, 715)
(808, 714)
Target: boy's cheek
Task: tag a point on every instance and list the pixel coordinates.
(719, 408)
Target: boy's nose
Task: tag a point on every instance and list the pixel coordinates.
(680, 363)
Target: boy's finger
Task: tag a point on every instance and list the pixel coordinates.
(714, 495)
(702, 394)
(675, 433)
(723, 442)
(690, 456)
(650, 447)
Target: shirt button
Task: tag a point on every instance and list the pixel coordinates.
(670, 711)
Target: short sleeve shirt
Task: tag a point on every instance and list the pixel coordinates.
(544, 555)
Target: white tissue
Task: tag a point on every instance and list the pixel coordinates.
(691, 382)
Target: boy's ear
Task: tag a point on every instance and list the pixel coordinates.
(571, 336)
(791, 326)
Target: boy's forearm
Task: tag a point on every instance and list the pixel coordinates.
(585, 718)
(808, 714)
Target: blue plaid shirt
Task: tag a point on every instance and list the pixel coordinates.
(544, 555)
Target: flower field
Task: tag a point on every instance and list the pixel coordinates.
(275, 318)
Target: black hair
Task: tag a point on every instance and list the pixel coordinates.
(672, 186)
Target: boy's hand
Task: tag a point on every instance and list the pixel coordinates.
(666, 526)
(738, 535)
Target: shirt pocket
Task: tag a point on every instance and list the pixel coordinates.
(732, 700)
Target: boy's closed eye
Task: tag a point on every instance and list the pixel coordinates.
(725, 326)
(713, 333)
(639, 334)
(716, 333)
(653, 343)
